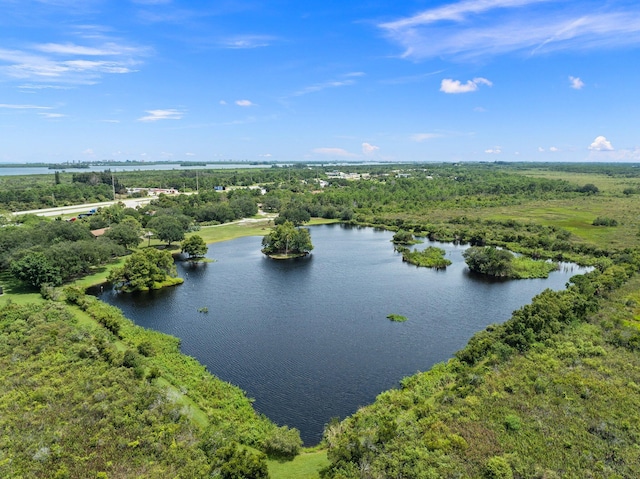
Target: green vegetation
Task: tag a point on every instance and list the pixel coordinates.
(549, 394)
(431, 257)
(287, 241)
(552, 392)
(396, 318)
(79, 400)
(502, 263)
(195, 247)
(145, 269)
(604, 221)
(404, 238)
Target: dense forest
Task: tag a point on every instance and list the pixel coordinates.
(552, 392)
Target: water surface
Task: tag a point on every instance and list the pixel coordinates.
(309, 338)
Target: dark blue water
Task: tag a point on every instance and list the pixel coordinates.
(308, 339)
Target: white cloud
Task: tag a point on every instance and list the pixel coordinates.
(333, 152)
(554, 149)
(369, 149)
(323, 86)
(420, 137)
(601, 144)
(107, 49)
(576, 83)
(474, 28)
(155, 115)
(449, 85)
(52, 115)
(266, 155)
(222, 102)
(494, 151)
(67, 63)
(24, 107)
(244, 103)
(540, 149)
(88, 152)
(247, 41)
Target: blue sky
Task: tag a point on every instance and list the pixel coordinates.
(281, 80)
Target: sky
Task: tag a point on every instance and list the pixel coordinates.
(319, 81)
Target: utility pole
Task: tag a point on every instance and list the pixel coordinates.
(113, 187)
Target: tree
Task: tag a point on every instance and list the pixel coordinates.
(127, 233)
(296, 215)
(403, 237)
(194, 246)
(167, 228)
(489, 260)
(36, 269)
(288, 240)
(589, 188)
(143, 270)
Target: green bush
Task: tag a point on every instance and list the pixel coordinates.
(283, 442)
(498, 468)
(604, 221)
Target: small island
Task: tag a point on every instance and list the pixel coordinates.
(504, 264)
(431, 257)
(403, 237)
(286, 241)
(396, 318)
(195, 248)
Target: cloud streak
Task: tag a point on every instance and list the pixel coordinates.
(69, 63)
(24, 107)
(156, 115)
(477, 28)
(323, 86)
(247, 41)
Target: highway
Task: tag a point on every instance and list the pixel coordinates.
(84, 208)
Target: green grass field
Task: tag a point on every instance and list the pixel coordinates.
(305, 466)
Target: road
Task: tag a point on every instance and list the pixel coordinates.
(66, 210)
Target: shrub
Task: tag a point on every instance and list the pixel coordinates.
(498, 468)
(512, 422)
(283, 442)
(232, 462)
(604, 221)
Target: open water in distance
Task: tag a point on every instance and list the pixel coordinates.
(308, 339)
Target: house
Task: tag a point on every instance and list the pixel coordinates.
(99, 232)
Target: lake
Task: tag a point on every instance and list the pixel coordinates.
(309, 339)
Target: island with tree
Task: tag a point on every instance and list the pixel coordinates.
(286, 241)
(502, 263)
(195, 248)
